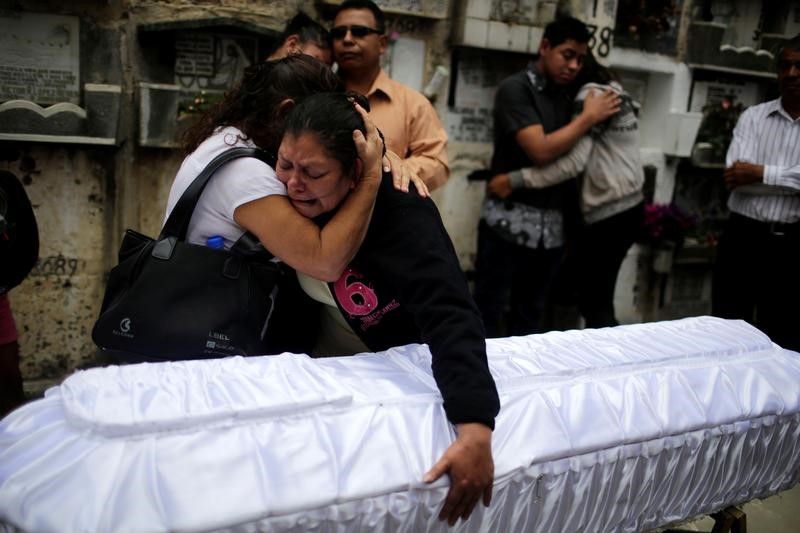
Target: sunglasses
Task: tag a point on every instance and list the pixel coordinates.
(783, 64)
(357, 31)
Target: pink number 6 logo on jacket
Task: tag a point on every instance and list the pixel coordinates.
(355, 297)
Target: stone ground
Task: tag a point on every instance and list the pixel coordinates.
(777, 514)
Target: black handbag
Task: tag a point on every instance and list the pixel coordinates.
(171, 300)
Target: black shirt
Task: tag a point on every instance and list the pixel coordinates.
(526, 99)
(406, 285)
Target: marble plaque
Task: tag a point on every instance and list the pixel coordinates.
(39, 58)
(470, 119)
(429, 8)
(704, 92)
(205, 61)
(407, 61)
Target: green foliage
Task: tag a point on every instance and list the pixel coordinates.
(716, 129)
(200, 103)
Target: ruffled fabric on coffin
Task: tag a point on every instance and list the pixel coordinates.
(618, 429)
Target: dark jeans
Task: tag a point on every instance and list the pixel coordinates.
(11, 392)
(757, 277)
(602, 247)
(512, 278)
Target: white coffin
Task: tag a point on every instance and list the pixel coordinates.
(619, 429)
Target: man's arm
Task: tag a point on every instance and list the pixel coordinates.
(430, 285)
(743, 144)
(749, 178)
(742, 173)
(298, 241)
(543, 148)
(565, 167)
(427, 147)
(782, 177)
(742, 170)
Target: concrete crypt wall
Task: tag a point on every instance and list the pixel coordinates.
(85, 196)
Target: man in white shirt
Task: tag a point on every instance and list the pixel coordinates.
(757, 272)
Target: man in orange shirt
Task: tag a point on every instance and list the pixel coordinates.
(406, 118)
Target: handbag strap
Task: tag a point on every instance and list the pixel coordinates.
(177, 223)
(248, 245)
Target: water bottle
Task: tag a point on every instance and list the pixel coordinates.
(216, 242)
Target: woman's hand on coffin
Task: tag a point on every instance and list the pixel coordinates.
(468, 462)
(402, 174)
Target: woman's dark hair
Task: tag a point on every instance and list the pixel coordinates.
(307, 30)
(593, 72)
(253, 105)
(332, 117)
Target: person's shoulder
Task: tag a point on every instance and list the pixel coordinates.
(399, 89)
(403, 217)
(515, 87)
(761, 110)
(754, 118)
(768, 105)
(389, 197)
(515, 80)
(222, 140)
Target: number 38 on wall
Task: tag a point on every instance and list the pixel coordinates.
(600, 43)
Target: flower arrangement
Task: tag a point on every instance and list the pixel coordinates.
(665, 225)
(716, 129)
(650, 25)
(651, 17)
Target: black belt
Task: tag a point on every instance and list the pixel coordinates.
(777, 229)
(782, 228)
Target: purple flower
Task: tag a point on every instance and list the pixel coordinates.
(665, 223)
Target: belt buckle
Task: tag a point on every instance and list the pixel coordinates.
(777, 232)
